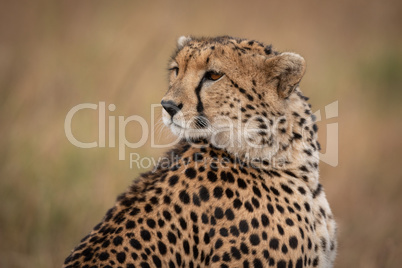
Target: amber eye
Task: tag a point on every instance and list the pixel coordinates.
(211, 75)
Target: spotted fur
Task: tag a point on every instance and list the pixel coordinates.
(252, 199)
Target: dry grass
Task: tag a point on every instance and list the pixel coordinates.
(57, 54)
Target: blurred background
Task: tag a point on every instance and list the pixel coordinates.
(55, 55)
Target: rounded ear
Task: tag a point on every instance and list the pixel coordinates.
(182, 41)
(289, 69)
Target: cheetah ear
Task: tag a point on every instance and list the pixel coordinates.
(288, 68)
(182, 41)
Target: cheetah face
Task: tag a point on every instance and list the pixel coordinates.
(229, 91)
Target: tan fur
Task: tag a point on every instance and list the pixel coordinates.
(242, 187)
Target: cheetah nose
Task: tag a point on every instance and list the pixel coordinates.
(171, 107)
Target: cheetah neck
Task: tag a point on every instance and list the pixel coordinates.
(293, 137)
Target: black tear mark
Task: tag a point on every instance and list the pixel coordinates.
(200, 106)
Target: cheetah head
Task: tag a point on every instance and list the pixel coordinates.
(233, 92)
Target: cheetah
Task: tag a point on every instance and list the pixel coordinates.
(241, 188)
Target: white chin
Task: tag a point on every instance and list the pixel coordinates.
(176, 130)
